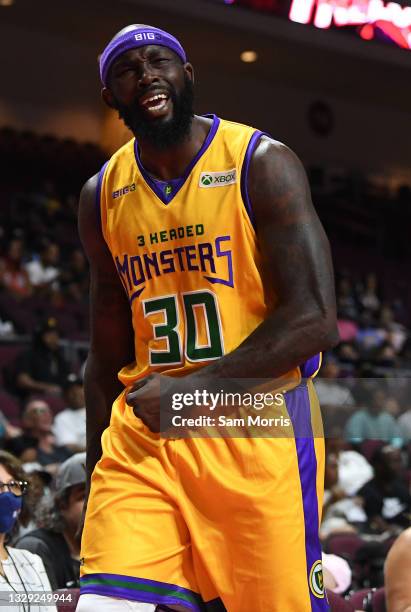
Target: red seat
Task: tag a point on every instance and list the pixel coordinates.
(68, 601)
(338, 603)
(8, 354)
(378, 601)
(361, 598)
(368, 448)
(9, 406)
(344, 545)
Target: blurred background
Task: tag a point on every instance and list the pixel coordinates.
(331, 80)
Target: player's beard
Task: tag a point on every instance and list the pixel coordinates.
(162, 133)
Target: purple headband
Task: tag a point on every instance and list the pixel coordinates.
(139, 37)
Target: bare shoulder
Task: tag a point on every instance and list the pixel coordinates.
(88, 219)
(274, 153)
(278, 183)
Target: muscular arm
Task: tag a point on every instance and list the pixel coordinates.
(298, 269)
(111, 342)
(297, 259)
(398, 573)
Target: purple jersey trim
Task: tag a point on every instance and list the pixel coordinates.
(299, 409)
(98, 193)
(311, 366)
(244, 172)
(155, 186)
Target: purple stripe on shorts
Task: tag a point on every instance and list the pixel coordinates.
(110, 590)
(152, 598)
(299, 409)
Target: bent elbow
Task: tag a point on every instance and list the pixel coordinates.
(332, 338)
(327, 333)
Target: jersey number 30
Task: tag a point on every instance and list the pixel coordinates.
(168, 330)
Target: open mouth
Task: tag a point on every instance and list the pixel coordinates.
(155, 103)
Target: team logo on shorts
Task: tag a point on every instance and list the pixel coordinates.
(317, 580)
(218, 179)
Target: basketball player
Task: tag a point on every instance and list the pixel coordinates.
(207, 260)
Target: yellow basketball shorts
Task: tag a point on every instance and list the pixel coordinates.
(208, 524)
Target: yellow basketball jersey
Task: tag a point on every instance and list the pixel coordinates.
(187, 254)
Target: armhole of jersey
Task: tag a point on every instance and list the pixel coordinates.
(311, 367)
(244, 172)
(98, 195)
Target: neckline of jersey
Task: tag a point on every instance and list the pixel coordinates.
(158, 186)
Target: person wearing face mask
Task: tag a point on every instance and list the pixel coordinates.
(22, 574)
(56, 539)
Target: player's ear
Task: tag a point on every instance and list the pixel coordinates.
(108, 97)
(189, 70)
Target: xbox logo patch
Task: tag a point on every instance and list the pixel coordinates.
(218, 179)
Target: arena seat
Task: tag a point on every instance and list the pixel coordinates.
(378, 601)
(10, 408)
(20, 313)
(68, 606)
(361, 600)
(8, 355)
(344, 545)
(368, 448)
(338, 603)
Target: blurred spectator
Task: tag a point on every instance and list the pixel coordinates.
(7, 430)
(347, 329)
(24, 447)
(340, 512)
(75, 276)
(37, 424)
(385, 356)
(387, 501)
(70, 424)
(404, 421)
(330, 390)
(368, 295)
(353, 468)
(43, 271)
(373, 422)
(42, 368)
(394, 332)
(347, 355)
(397, 574)
(56, 540)
(13, 277)
(346, 303)
(39, 486)
(6, 327)
(368, 338)
(337, 573)
(48, 202)
(392, 406)
(21, 571)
